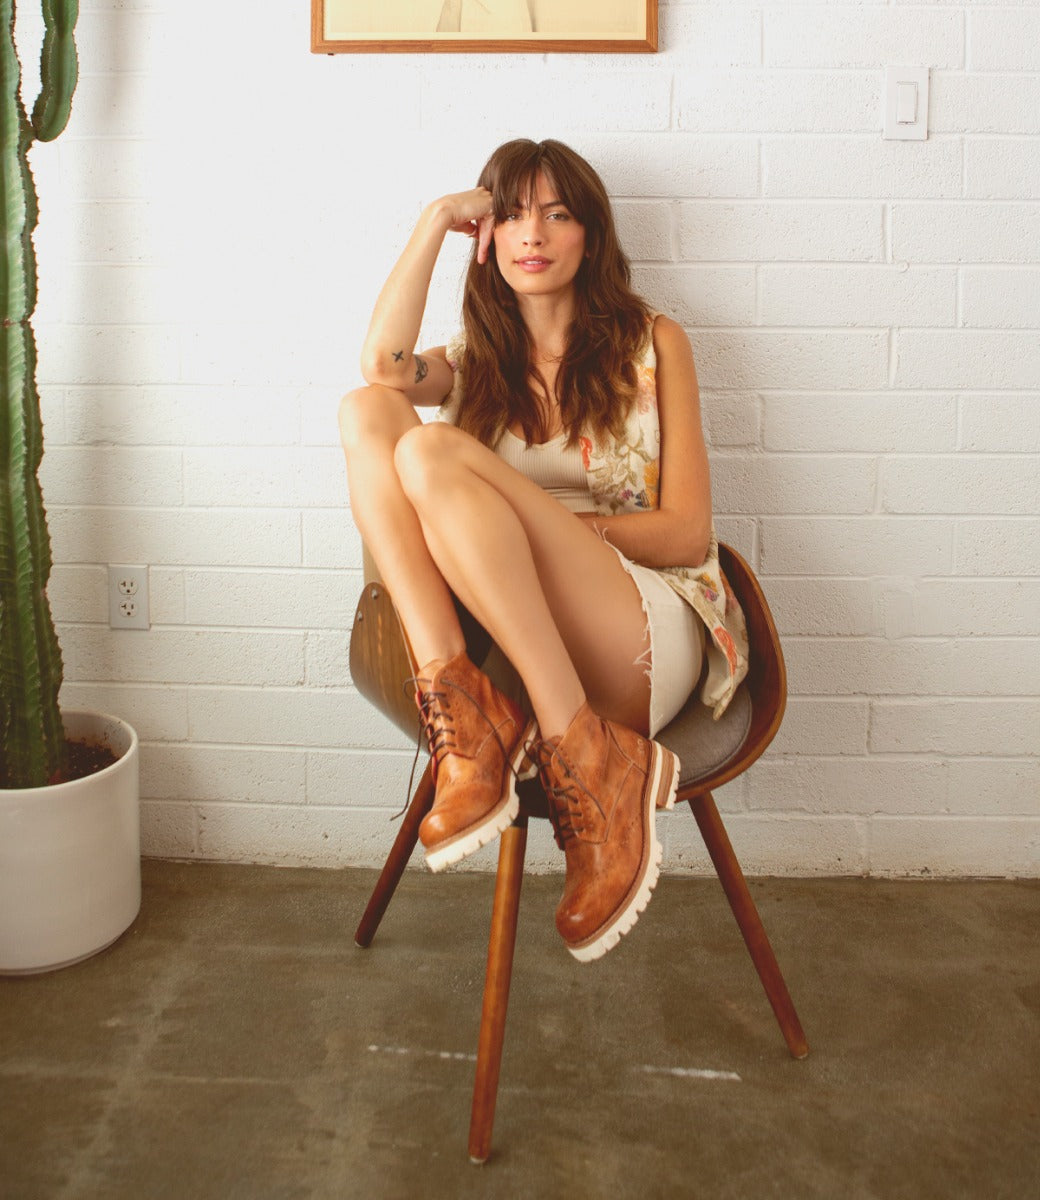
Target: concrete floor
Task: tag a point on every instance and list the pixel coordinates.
(235, 1044)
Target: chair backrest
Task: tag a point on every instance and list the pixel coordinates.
(767, 674)
(380, 659)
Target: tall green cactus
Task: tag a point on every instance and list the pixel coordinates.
(30, 659)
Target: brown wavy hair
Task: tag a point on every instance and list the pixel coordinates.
(611, 326)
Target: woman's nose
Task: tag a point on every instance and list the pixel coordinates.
(533, 232)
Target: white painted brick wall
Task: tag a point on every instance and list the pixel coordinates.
(866, 320)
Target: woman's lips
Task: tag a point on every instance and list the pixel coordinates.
(533, 264)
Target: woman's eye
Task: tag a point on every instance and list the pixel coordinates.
(560, 215)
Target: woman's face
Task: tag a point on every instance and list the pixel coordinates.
(540, 245)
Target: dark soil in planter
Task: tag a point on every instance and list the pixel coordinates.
(86, 758)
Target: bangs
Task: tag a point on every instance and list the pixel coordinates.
(514, 188)
(511, 179)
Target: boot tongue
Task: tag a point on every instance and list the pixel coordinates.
(429, 672)
(435, 667)
(579, 727)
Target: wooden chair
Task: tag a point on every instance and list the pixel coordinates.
(711, 753)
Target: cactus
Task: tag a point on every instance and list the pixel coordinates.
(32, 750)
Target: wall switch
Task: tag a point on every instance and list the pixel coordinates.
(906, 103)
(128, 597)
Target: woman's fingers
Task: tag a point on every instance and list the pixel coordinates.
(477, 203)
(473, 213)
(485, 230)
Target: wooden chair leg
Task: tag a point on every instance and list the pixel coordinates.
(501, 944)
(396, 860)
(735, 886)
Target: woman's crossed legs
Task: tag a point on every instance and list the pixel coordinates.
(441, 513)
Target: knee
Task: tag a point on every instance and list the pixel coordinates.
(372, 412)
(423, 456)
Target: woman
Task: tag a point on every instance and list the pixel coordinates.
(564, 497)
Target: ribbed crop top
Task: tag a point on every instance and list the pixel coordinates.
(554, 466)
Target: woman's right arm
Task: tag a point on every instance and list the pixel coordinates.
(388, 356)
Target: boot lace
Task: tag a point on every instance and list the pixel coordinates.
(436, 722)
(567, 797)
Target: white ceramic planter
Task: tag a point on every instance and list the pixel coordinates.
(70, 857)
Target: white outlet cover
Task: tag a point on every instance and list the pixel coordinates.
(128, 597)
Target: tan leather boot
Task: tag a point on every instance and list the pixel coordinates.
(478, 741)
(604, 783)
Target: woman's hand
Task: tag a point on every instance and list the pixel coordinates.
(471, 213)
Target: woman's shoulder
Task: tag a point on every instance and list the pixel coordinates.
(667, 333)
(661, 332)
(670, 342)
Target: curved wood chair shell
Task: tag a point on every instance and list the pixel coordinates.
(711, 753)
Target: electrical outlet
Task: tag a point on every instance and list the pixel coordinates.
(128, 597)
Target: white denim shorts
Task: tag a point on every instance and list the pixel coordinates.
(674, 661)
(676, 643)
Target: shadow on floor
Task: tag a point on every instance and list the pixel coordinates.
(236, 1044)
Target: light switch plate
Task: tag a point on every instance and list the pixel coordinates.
(906, 103)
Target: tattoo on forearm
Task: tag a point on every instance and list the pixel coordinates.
(421, 369)
(398, 355)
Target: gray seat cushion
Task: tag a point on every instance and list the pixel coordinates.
(703, 745)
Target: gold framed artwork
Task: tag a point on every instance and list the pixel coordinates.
(483, 26)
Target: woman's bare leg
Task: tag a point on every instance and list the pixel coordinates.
(554, 596)
(564, 610)
(372, 421)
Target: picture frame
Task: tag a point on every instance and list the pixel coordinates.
(483, 26)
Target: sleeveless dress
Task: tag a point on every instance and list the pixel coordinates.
(623, 475)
